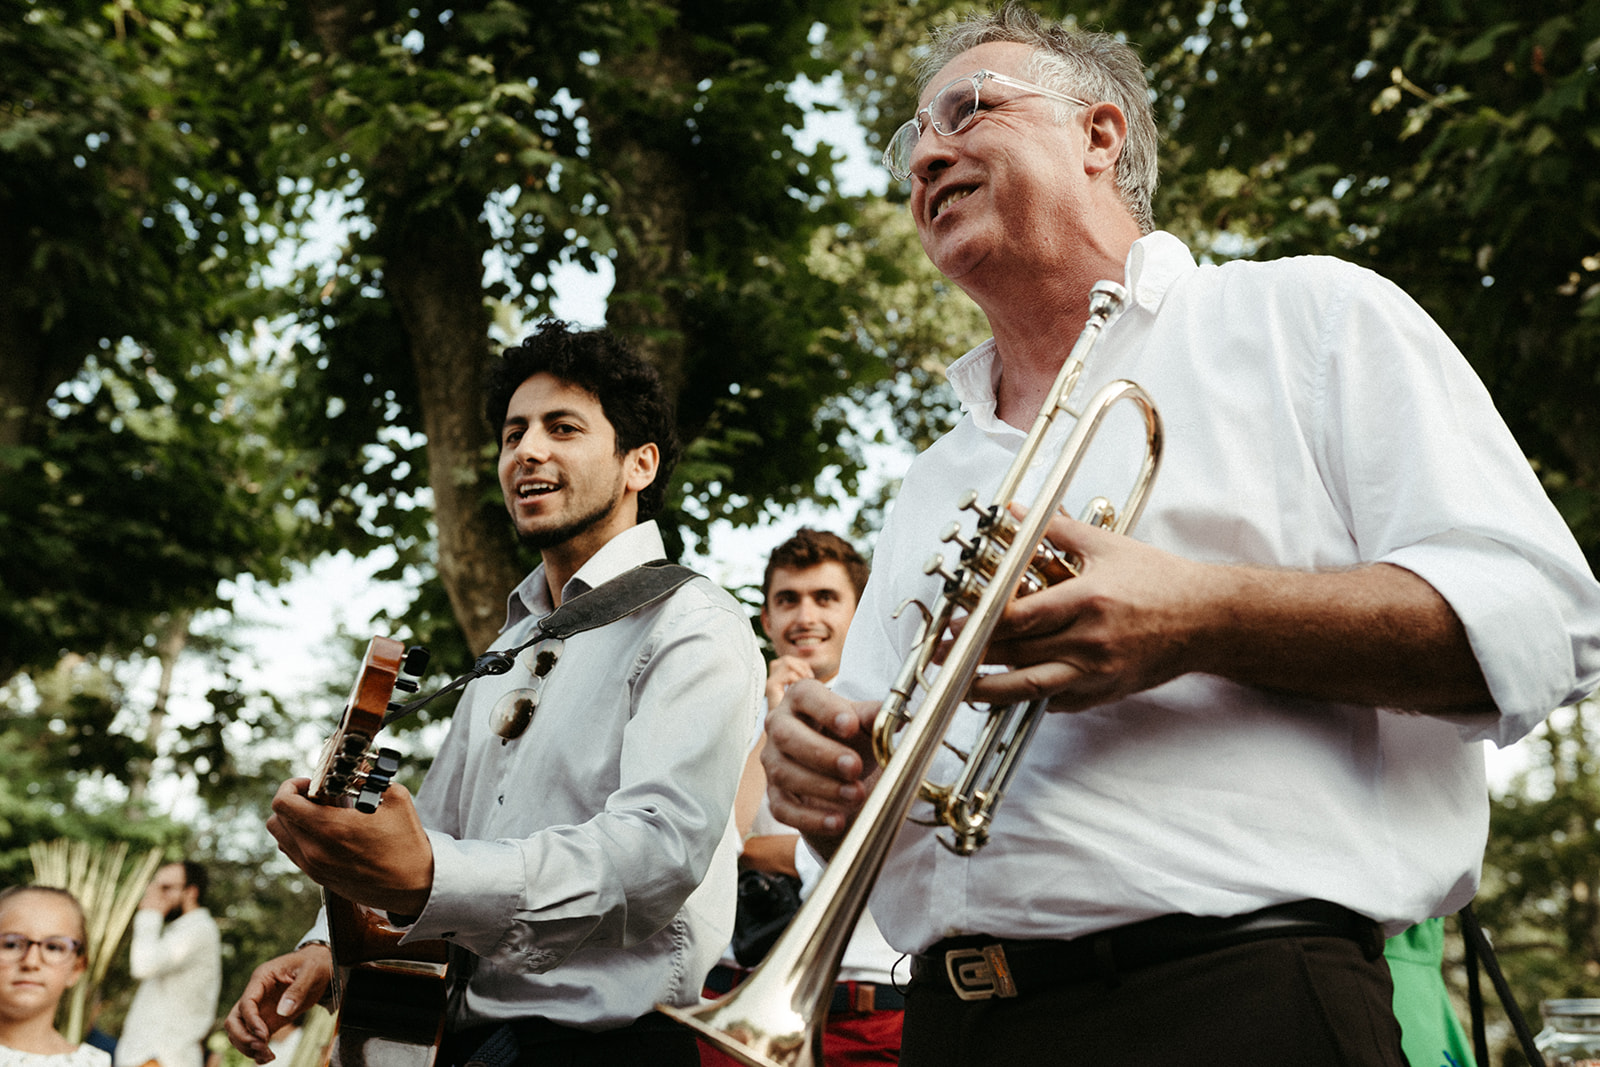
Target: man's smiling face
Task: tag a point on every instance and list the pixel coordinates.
(1003, 185)
(807, 614)
(560, 472)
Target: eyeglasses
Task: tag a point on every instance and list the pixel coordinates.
(55, 951)
(513, 712)
(952, 110)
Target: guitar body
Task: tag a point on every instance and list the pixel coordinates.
(391, 998)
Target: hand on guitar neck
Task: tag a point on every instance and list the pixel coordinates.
(359, 837)
(382, 859)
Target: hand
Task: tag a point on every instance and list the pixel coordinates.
(1130, 621)
(383, 859)
(782, 673)
(818, 761)
(155, 898)
(278, 991)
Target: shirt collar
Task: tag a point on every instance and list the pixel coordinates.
(1154, 263)
(633, 546)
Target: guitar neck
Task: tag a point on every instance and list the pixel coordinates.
(392, 998)
(353, 771)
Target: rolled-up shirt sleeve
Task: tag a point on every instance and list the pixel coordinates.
(1432, 480)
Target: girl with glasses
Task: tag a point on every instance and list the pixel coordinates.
(41, 957)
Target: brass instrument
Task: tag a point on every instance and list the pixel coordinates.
(775, 1017)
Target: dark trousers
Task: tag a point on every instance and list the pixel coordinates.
(654, 1040)
(1283, 1002)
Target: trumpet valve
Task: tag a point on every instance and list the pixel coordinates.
(1050, 565)
(1100, 512)
(936, 566)
(1000, 525)
(952, 536)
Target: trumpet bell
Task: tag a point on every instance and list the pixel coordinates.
(762, 1029)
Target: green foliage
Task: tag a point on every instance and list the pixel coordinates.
(116, 222)
(133, 473)
(1450, 147)
(144, 494)
(54, 756)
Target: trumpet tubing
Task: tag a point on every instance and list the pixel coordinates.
(775, 1017)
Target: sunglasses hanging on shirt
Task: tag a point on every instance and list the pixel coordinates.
(514, 711)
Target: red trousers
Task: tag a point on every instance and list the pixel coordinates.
(850, 1039)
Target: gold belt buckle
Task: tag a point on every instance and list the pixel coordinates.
(979, 973)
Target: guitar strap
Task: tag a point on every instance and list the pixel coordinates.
(631, 591)
(628, 592)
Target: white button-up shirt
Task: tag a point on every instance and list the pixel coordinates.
(1316, 418)
(179, 967)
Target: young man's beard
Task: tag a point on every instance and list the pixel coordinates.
(539, 540)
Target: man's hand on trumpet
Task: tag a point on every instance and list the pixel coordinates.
(819, 761)
(1135, 617)
(1138, 616)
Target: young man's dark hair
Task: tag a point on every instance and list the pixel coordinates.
(195, 875)
(809, 548)
(600, 363)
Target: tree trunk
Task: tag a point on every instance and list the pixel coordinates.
(30, 369)
(173, 639)
(433, 271)
(651, 208)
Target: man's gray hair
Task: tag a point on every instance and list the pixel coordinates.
(1092, 66)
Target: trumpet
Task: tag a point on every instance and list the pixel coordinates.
(775, 1017)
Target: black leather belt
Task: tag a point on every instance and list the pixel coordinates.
(978, 967)
(847, 996)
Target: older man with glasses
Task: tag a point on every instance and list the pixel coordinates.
(1268, 704)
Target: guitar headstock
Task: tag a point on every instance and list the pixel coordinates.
(352, 771)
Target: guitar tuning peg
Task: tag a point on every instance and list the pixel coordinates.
(411, 669)
(384, 767)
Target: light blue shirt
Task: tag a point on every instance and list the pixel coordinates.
(589, 864)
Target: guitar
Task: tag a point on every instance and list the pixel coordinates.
(391, 998)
